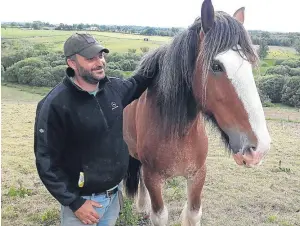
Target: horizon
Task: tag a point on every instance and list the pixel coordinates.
(264, 15)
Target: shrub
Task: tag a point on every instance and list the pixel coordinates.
(127, 65)
(271, 86)
(19, 55)
(279, 70)
(43, 77)
(54, 59)
(293, 63)
(264, 98)
(278, 62)
(22, 71)
(114, 73)
(294, 72)
(144, 49)
(58, 72)
(114, 66)
(291, 92)
(132, 50)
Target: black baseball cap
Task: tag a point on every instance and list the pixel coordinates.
(83, 44)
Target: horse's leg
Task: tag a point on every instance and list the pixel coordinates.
(143, 199)
(192, 212)
(154, 183)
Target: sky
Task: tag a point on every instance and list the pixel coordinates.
(268, 15)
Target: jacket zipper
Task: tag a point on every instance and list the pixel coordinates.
(105, 121)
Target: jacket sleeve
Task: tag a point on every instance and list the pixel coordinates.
(49, 141)
(133, 87)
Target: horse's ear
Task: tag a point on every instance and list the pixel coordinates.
(239, 15)
(207, 15)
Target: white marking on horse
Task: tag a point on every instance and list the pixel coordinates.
(239, 71)
(160, 218)
(191, 218)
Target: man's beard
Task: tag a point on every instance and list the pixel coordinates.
(88, 76)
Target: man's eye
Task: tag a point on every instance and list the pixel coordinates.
(216, 67)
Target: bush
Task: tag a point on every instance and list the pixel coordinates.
(144, 49)
(127, 65)
(114, 57)
(278, 62)
(291, 92)
(24, 71)
(264, 98)
(2, 70)
(114, 66)
(114, 73)
(294, 72)
(271, 86)
(293, 63)
(54, 59)
(279, 70)
(132, 50)
(22, 54)
(58, 72)
(43, 77)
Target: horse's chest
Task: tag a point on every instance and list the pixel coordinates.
(175, 161)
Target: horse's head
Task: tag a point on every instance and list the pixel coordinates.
(225, 84)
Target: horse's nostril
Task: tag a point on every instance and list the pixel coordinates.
(244, 162)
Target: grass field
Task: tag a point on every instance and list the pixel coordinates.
(116, 42)
(54, 39)
(233, 195)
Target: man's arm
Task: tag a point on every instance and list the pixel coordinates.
(133, 87)
(49, 142)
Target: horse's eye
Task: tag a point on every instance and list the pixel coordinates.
(216, 67)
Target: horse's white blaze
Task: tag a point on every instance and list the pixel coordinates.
(239, 72)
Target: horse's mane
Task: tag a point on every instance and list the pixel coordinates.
(176, 62)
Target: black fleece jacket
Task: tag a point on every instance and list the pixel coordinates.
(78, 132)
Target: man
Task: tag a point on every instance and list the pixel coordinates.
(80, 154)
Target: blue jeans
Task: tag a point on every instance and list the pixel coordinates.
(109, 212)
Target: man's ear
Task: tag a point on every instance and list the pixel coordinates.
(71, 64)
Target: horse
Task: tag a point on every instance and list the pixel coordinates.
(203, 75)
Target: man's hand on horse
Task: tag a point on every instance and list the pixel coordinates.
(87, 213)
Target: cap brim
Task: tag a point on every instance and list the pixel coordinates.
(92, 51)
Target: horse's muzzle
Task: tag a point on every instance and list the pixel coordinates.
(249, 158)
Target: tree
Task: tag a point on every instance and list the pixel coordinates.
(263, 49)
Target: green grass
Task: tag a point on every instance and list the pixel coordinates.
(54, 39)
(13, 92)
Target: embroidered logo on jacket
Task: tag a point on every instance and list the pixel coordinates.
(114, 105)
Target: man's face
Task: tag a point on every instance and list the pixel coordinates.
(90, 70)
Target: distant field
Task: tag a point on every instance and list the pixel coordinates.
(54, 39)
(116, 42)
(233, 195)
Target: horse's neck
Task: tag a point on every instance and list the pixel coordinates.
(198, 124)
